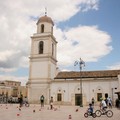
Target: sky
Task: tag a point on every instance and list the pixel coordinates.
(87, 29)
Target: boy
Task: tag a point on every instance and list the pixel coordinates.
(90, 109)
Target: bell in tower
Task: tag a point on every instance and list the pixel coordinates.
(45, 25)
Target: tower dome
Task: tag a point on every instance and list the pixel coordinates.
(45, 19)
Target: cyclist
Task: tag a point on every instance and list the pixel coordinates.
(90, 109)
(103, 105)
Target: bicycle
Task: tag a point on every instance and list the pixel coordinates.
(88, 113)
(100, 112)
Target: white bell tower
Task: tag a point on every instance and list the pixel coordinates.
(42, 69)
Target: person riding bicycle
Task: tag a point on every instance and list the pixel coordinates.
(103, 105)
(90, 109)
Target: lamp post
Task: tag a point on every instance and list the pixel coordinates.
(81, 64)
(113, 94)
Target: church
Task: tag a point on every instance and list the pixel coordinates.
(66, 87)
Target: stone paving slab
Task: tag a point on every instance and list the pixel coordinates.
(34, 112)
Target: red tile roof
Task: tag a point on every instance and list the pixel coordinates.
(87, 74)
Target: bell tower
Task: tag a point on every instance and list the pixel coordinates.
(42, 65)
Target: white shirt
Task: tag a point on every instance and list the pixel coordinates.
(103, 103)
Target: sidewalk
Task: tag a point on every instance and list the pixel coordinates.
(34, 112)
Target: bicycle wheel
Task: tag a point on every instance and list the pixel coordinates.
(93, 115)
(98, 113)
(109, 113)
(86, 115)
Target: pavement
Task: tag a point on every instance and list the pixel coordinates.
(35, 112)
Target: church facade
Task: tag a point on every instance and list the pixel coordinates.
(64, 87)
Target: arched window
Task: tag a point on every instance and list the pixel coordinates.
(41, 45)
(42, 28)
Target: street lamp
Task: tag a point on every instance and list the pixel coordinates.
(113, 94)
(81, 64)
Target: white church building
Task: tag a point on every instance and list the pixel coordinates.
(66, 88)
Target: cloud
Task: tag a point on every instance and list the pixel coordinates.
(115, 66)
(88, 5)
(87, 42)
(70, 8)
(18, 22)
(13, 59)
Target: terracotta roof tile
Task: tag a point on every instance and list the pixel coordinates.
(87, 74)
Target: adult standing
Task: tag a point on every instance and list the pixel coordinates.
(93, 101)
(109, 103)
(42, 101)
(51, 103)
(21, 100)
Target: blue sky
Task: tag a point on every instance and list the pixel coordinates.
(89, 29)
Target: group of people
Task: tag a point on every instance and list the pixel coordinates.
(42, 102)
(103, 104)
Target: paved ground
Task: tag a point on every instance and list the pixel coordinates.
(12, 112)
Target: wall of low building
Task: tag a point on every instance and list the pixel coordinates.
(91, 87)
(12, 89)
(96, 86)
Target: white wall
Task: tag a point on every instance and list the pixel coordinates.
(90, 89)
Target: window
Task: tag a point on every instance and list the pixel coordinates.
(42, 28)
(59, 97)
(2, 92)
(15, 91)
(41, 44)
(99, 96)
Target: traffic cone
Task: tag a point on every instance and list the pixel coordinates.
(18, 114)
(33, 110)
(76, 110)
(70, 117)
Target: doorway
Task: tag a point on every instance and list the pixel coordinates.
(78, 99)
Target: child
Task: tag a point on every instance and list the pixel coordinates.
(90, 109)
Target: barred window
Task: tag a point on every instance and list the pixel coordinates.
(59, 97)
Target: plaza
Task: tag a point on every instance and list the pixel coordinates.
(34, 112)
